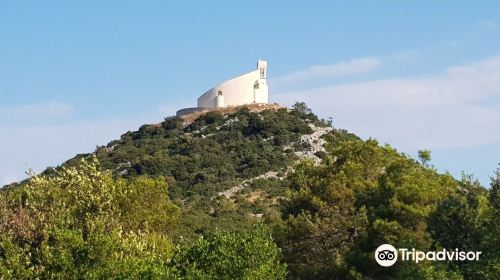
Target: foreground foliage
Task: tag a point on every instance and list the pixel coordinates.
(83, 224)
(365, 195)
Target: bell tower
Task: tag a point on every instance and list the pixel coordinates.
(262, 66)
(260, 89)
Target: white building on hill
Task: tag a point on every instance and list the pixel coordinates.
(248, 88)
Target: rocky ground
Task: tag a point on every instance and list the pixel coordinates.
(309, 145)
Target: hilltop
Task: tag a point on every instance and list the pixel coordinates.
(322, 199)
(255, 108)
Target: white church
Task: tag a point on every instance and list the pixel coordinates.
(249, 88)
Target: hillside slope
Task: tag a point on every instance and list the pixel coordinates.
(206, 155)
(327, 197)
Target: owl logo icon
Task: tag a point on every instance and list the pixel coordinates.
(386, 255)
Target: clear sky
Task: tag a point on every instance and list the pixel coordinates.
(414, 74)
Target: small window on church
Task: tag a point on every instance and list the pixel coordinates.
(219, 93)
(262, 73)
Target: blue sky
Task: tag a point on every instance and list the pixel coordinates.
(414, 74)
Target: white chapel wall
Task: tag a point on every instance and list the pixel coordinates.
(238, 91)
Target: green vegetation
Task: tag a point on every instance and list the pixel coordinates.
(148, 206)
(83, 224)
(366, 195)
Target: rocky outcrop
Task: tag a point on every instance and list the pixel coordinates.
(309, 144)
(312, 143)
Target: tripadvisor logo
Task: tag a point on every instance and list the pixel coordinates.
(387, 255)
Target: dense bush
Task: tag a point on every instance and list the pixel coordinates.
(83, 224)
(365, 195)
(225, 255)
